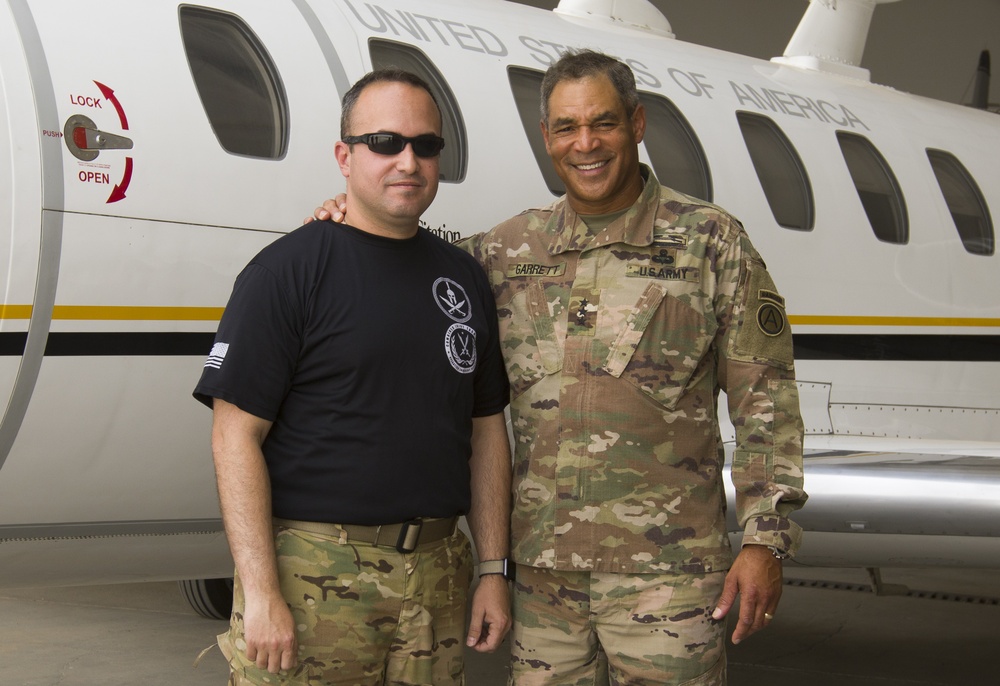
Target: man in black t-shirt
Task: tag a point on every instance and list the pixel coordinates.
(358, 393)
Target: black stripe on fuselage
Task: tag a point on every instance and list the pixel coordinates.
(896, 347)
(114, 344)
(910, 347)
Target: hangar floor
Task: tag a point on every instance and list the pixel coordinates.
(830, 631)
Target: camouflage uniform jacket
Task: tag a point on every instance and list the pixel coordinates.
(616, 345)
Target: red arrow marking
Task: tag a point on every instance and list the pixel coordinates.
(110, 96)
(119, 192)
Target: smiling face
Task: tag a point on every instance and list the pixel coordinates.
(388, 193)
(593, 143)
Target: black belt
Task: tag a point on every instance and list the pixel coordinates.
(404, 537)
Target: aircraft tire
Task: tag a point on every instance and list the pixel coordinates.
(211, 598)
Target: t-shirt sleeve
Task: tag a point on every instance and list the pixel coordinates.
(253, 357)
(492, 385)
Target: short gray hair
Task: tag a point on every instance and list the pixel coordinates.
(577, 64)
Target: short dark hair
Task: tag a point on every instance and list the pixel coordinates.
(578, 64)
(387, 75)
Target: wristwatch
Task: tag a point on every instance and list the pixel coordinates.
(504, 567)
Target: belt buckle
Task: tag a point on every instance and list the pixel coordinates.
(409, 535)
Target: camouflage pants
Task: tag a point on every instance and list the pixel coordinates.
(653, 629)
(364, 615)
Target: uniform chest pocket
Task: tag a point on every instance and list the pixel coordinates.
(531, 335)
(660, 346)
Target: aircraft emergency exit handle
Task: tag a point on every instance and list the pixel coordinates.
(85, 140)
(93, 139)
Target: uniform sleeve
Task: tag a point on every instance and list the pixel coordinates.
(475, 245)
(471, 244)
(756, 369)
(256, 347)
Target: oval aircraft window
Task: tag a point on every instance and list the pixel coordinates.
(780, 171)
(237, 82)
(965, 202)
(674, 148)
(877, 188)
(526, 86)
(455, 156)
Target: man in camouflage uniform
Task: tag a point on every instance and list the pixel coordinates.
(344, 452)
(625, 307)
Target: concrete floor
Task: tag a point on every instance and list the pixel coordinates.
(825, 634)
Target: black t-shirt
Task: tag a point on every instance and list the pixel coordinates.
(371, 356)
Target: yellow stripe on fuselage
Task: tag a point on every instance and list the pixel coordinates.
(112, 313)
(213, 314)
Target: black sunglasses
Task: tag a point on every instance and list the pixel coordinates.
(424, 145)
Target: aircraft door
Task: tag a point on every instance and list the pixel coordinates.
(20, 209)
(136, 181)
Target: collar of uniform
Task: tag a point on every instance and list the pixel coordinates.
(568, 232)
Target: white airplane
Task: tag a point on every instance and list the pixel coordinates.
(149, 149)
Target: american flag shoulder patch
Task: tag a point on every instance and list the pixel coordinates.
(217, 355)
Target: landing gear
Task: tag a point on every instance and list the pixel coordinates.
(211, 598)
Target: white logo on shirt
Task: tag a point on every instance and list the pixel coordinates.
(452, 299)
(460, 346)
(217, 355)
